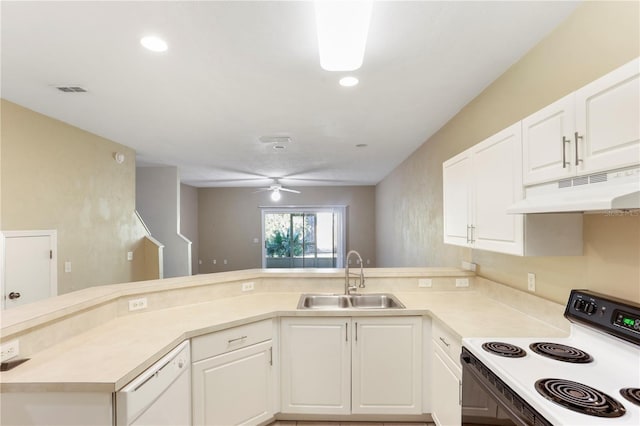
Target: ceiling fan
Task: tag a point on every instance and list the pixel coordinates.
(275, 189)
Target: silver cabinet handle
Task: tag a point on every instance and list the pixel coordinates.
(443, 340)
(565, 163)
(236, 339)
(578, 160)
(472, 240)
(468, 240)
(271, 355)
(356, 328)
(346, 331)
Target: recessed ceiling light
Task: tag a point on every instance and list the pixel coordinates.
(342, 28)
(153, 43)
(348, 81)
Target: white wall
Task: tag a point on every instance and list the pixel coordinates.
(158, 202)
(189, 221)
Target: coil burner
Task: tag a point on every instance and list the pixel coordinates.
(631, 395)
(504, 349)
(580, 398)
(561, 352)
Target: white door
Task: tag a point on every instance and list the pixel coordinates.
(234, 388)
(456, 182)
(548, 142)
(497, 184)
(29, 265)
(387, 365)
(316, 365)
(607, 112)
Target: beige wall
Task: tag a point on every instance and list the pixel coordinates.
(189, 221)
(230, 218)
(55, 176)
(597, 38)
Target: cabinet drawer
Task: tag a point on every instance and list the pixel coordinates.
(447, 341)
(217, 343)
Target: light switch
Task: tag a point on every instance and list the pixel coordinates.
(67, 266)
(129, 255)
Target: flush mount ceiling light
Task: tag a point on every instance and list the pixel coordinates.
(342, 28)
(153, 43)
(349, 81)
(275, 195)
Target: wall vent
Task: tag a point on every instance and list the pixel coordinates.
(582, 180)
(71, 89)
(602, 177)
(565, 183)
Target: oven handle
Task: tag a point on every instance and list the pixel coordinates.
(496, 397)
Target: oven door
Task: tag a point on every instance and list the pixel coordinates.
(487, 400)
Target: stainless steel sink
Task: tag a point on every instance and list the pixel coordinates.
(375, 301)
(352, 301)
(323, 301)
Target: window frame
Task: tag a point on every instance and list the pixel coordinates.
(339, 211)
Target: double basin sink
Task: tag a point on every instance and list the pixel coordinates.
(349, 301)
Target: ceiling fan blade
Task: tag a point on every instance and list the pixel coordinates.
(290, 190)
(262, 190)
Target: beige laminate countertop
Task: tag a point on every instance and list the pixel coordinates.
(107, 357)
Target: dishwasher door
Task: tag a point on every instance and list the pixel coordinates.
(159, 396)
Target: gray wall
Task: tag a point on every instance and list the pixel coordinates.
(597, 38)
(158, 202)
(230, 218)
(189, 221)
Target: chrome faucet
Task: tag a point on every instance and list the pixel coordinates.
(347, 287)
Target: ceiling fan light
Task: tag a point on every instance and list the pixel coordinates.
(342, 28)
(348, 81)
(275, 195)
(153, 43)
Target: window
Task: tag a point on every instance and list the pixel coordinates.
(303, 237)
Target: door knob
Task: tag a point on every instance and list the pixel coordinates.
(14, 295)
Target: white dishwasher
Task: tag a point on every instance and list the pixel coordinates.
(159, 396)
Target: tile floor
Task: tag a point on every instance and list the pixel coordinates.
(308, 423)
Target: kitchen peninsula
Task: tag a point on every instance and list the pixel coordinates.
(91, 342)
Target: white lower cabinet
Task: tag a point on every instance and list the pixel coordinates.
(445, 394)
(237, 386)
(446, 376)
(343, 365)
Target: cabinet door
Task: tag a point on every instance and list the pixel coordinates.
(456, 190)
(234, 388)
(497, 184)
(607, 112)
(547, 142)
(387, 365)
(445, 390)
(316, 365)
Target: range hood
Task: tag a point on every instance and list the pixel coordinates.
(617, 190)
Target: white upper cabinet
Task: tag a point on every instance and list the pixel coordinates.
(457, 198)
(478, 186)
(591, 130)
(608, 121)
(497, 184)
(547, 142)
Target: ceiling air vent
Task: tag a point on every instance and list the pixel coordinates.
(71, 89)
(275, 139)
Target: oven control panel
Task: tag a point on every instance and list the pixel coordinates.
(608, 314)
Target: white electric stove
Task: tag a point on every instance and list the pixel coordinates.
(591, 377)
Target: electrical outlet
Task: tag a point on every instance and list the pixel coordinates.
(137, 304)
(224, 261)
(424, 282)
(462, 282)
(531, 281)
(67, 266)
(469, 266)
(129, 255)
(213, 261)
(9, 350)
(247, 286)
